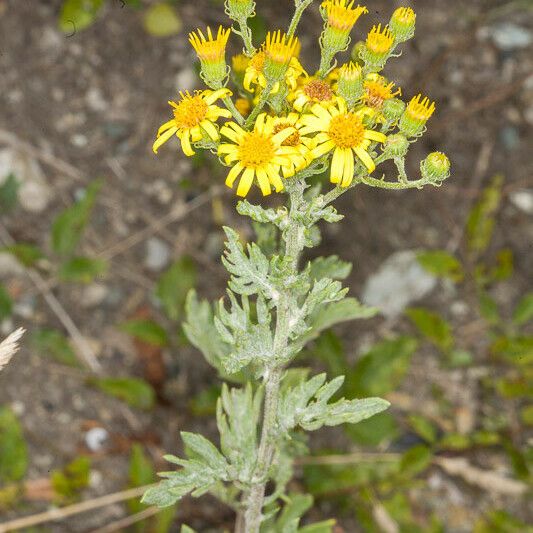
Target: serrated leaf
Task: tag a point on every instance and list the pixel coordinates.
(330, 267)
(76, 15)
(198, 446)
(173, 286)
(68, 226)
(6, 304)
(524, 310)
(8, 193)
(135, 392)
(146, 331)
(82, 269)
(382, 368)
(26, 254)
(161, 20)
(13, 449)
(441, 263)
(52, 343)
(432, 326)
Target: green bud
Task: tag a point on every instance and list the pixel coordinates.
(357, 51)
(379, 46)
(396, 145)
(436, 167)
(350, 86)
(240, 9)
(402, 24)
(393, 109)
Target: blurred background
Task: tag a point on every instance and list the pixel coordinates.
(101, 240)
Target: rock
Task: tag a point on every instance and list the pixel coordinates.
(508, 36)
(9, 266)
(94, 295)
(523, 200)
(95, 438)
(34, 192)
(186, 79)
(399, 281)
(157, 254)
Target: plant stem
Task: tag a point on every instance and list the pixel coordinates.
(246, 35)
(300, 8)
(267, 446)
(228, 102)
(262, 101)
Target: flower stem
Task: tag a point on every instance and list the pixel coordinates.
(262, 101)
(294, 243)
(300, 8)
(228, 102)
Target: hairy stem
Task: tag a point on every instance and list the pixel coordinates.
(267, 446)
(246, 35)
(300, 8)
(262, 101)
(228, 102)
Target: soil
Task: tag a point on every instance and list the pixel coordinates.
(88, 106)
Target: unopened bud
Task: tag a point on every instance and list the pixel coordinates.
(436, 167)
(350, 84)
(393, 109)
(396, 145)
(378, 47)
(240, 9)
(402, 24)
(415, 116)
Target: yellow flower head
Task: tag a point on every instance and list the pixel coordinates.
(415, 116)
(342, 132)
(256, 155)
(378, 90)
(254, 71)
(239, 63)
(379, 41)
(313, 90)
(350, 83)
(341, 15)
(194, 116)
(210, 49)
(244, 106)
(279, 48)
(402, 24)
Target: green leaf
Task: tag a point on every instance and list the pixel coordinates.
(524, 310)
(515, 349)
(329, 267)
(481, 219)
(13, 449)
(50, 342)
(415, 460)
(488, 308)
(135, 392)
(8, 193)
(26, 254)
(432, 326)
(82, 269)
(382, 368)
(297, 505)
(68, 227)
(161, 20)
(441, 263)
(526, 415)
(173, 286)
(77, 15)
(69, 481)
(423, 427)
(205, 402)
(504, 266)
(6, 305)
(500, 521)
(146, 331)
(328, 347)
(326, 526)
(141, 472)
(374, 431)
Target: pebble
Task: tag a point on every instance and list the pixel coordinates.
(34, 193)
(398, 282)
(95, 438)
(186, 79)
(157, 254)
(523, 200)
(508, 36)
(94, 295)
(9, 266)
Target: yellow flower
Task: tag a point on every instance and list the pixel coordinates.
(313, 91)
(298, 146)
(343, 133)
(258, 154)
(279, 48)
(350, 83)
(378, 90)
(341, 15)
(210, 49)
(402, 24)
(254, 71)
(194, 116)
(379, 41)
(415, 116)
(239, 63)
(244, 106)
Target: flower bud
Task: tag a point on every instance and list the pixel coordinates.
(378, 47)
(416, 115)
(211, 52)
(396, 145)
(402, 24)
(279, 50)
(239, 64)
(357, 52)
(350, 84)
(393, 109)
(240, 9)
(436, 167)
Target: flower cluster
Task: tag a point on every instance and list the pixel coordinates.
(285, 119)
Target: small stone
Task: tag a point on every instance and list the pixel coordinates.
(399, 281)
(157, 254)
(95, 438)
(523, 200)
(509, 36)
(186, 79)
(95, 99)
(79, 140)
(9, 266)
(94, 295)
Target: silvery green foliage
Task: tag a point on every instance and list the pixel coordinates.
(306, 405)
